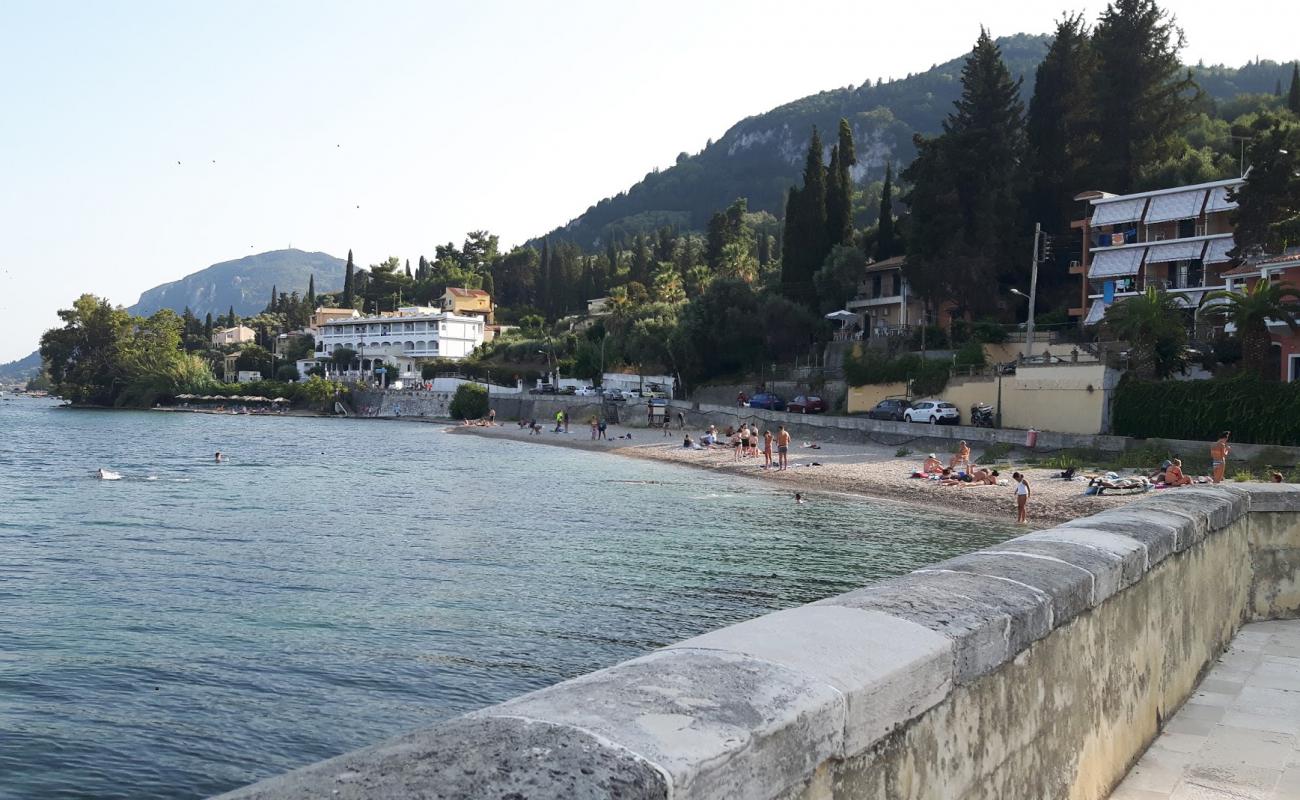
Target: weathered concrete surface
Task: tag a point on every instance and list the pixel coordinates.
(497, 757)
(1239, 734)
(1040, 668)
(887, 669)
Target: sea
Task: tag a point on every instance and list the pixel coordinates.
(195, 626)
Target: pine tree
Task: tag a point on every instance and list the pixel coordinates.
(886, 247)
(1293, 96)
(1143, 96)
(1059, 125)
(640, 260)
(311, 292)
(349, 284)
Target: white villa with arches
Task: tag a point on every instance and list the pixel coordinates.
(400, 342)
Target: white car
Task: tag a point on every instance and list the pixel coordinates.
(935, 412)
(585, 391)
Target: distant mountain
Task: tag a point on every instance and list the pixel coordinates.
(244, 283)
(762, 156)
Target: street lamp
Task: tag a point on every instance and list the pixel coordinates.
(1029, 324)
(555, 378)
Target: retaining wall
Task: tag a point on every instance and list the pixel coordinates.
(1041, 667)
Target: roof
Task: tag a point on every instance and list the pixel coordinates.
(456, 291)
(897, 262)
(1284, 261)
(1103, 198)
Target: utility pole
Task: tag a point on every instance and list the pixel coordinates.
(1033, 292)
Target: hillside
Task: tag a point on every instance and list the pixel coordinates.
(244, 283)
(761, 156)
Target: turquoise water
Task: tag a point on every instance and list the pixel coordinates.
(193, 626)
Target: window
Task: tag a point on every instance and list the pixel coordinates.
(896, 281)
(875, 286)
(1186, 227)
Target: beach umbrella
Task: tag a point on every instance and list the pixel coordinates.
(280, 400)
(184, 397)
(842, 316)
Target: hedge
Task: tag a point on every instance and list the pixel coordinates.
(1255, 410)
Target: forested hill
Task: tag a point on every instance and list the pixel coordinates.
(244, 283)
(762, 156)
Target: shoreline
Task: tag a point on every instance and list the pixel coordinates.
(866, 471)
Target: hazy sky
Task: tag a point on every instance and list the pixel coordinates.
(434, 118)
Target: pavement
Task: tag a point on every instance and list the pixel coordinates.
(1238, 736)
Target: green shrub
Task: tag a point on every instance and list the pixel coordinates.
(287, 372)
(902, 452)
(469, 402)
(1243, 475)
(970, 354)
(995, 452)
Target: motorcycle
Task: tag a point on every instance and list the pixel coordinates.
(981, 415)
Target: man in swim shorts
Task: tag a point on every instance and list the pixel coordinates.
(782, 447)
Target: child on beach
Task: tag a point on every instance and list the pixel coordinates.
(594, 429)
(1022, 498)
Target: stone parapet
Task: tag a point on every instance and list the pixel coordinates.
(1040, 667)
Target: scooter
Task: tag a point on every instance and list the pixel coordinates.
(981, 415)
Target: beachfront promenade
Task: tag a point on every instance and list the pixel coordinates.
(1042, 667)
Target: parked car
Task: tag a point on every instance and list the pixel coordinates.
(613, 395)
(569, 390)
(807, 404)
(545, 388)
(586, 391)
(935, 412)
(767, 400)
(891, 409)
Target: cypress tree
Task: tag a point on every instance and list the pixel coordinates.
(641, 260)
(545, 290)
(1277, 88)
(1143, 96)
(885, 244)
(805, 245)
(1059, 125)
(231, 319)
(207, 326)
(1293, 96)
(965, 200)
(274, 304)
(839, 188)
(408, 269)
(348, 284)
(311, 292)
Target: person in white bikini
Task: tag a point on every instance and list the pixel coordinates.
(1022, 498)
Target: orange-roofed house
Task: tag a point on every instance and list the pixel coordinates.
(1283, 269)
(468, 303)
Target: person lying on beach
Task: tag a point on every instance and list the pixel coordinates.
(932, 465)
(1100, 484)
(688, 442)
(1174, 475)
(949, 478)
(984, 477)
(811, 445)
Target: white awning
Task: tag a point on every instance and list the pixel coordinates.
(1095, 313)
(1113, 213)
(1188, 300)
(1175, 251)
(1179, 205)
(1114, 263)
(1217, 252)
(1219, 200)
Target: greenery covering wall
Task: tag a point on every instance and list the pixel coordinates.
(1255, 410)
(928, 376)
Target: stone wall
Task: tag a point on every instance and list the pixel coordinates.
(1041, 667)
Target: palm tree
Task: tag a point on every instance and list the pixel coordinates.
(1152, 323)
(1251, 311)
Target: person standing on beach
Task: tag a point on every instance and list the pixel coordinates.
(600, 428)
(1022, 498)
(594, 428)
(734, 441)
(782, 447)
(681, 421)
(1219, 456)
(492, 416)
(767, 449)
(566, 421)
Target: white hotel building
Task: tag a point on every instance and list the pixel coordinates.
(401, 341)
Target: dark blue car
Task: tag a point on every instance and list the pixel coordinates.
(767, 400)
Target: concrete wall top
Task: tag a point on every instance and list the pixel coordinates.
(752, 710)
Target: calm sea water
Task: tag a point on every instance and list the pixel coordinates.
(193, 626)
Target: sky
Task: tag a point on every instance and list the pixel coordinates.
(388, 127)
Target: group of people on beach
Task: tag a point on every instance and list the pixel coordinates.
(747, 441)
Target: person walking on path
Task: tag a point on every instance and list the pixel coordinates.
(782, 447)
(1022, 498)
(1219, 456)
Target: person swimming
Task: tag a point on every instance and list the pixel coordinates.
(107, 475)
(798, 498)
(218, 458)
